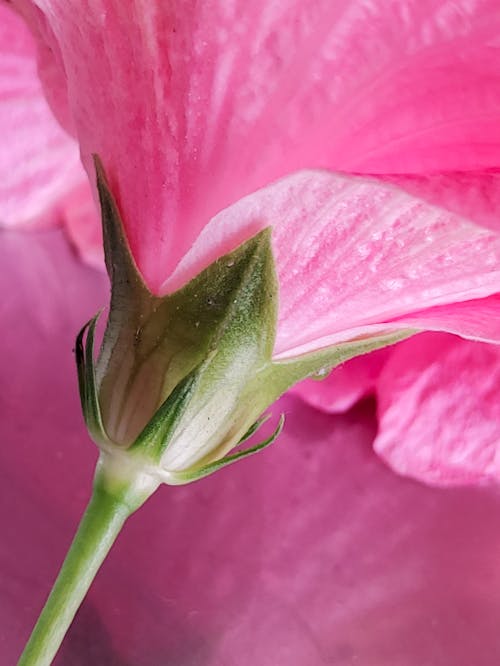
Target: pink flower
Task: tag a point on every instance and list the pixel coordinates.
(223, 104)
(202, 118)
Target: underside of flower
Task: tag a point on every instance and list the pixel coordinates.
(290, 185)
(181, 380)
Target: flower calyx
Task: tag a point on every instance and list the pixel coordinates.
(180, 380)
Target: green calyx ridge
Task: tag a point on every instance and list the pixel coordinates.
(201, 356)
(89, 398)
(156, 436)
(205, 470)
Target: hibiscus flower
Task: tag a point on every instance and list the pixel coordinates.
(398, 245)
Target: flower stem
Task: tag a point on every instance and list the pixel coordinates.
(100, 525)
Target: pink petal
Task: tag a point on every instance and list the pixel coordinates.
(83, 225)
(439, 414)
(356, 256)
(228, 97)
(311, 553)
(39, 164)
(474, 195)
(346, 384)
(476, 319)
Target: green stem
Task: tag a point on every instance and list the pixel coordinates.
(101, 523)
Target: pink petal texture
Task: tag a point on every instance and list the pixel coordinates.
(439, 414)
(474, 195)
(356, 256)
(39, 163)
(227, 97)
(312, 553)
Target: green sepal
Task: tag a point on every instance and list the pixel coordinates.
(80, 368)
(120, 264)
(318, 364)
(195, 474)
(156, 436)
(276, 377)
(254, 428)
(152, 343)
(89, 398)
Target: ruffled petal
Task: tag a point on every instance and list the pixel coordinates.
(228, 97)
(312, 552)
(439, 414)
(356, 256)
